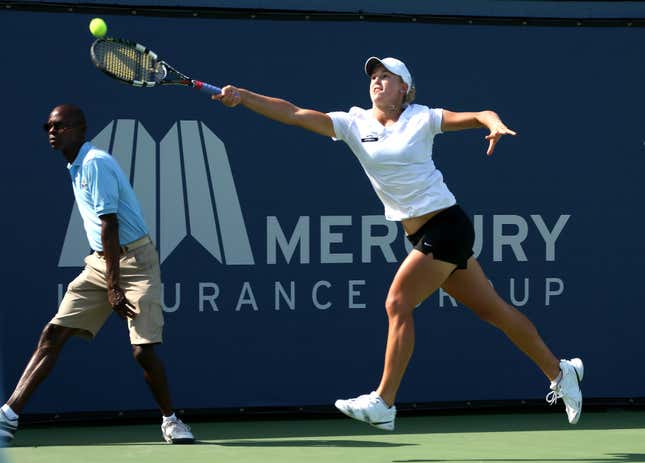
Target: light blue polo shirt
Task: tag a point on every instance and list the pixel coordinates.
(101, 187)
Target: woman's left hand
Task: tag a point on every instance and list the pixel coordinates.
(496, 132)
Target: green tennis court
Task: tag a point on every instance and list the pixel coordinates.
(614, 436)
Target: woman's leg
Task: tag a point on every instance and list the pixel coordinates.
(471, 288)
(417, 278)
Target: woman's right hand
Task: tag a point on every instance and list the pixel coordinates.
(230, 96)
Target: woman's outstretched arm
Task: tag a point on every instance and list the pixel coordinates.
(277, 109)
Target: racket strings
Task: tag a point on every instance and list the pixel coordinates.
(126, 62)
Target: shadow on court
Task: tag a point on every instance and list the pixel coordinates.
(311, 443)
(428, 424)
(317, 433)
(233, 434)
(611, 458)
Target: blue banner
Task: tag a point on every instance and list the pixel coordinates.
(276, 258)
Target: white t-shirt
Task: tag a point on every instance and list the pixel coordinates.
(398, 159)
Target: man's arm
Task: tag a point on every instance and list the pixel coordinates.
(112, 254)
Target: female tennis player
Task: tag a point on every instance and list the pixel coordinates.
(393, 142)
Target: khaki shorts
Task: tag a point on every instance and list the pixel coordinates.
(86, 307)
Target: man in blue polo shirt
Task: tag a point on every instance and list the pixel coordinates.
(121, 275)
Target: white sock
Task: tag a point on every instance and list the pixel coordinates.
(172, 417)
(557, 379)
(9, 413)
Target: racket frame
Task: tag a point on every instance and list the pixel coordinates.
(182, 79)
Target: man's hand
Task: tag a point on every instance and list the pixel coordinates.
(120, 304)
(112, 254)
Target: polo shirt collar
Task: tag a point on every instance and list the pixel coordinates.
(405, 114)
(82, 152)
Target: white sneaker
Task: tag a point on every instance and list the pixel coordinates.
(369, 408)
(568, 388)
(176, 432)
(8, 428)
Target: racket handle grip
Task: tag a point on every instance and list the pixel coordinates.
(206, 88)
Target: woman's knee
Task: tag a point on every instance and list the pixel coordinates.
(396, 305)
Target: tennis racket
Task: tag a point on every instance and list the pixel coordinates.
(139, 66)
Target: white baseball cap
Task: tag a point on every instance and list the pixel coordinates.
(393, 65)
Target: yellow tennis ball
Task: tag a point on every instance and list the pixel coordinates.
(98, 28)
